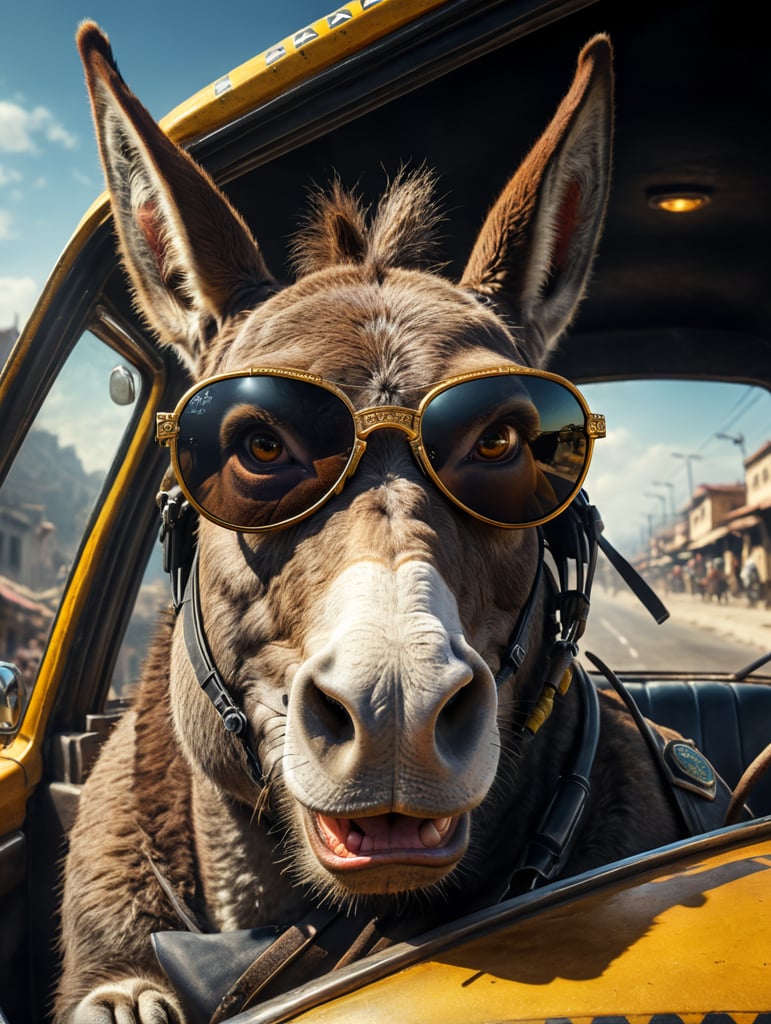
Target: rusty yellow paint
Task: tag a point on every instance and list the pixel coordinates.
(693, 941)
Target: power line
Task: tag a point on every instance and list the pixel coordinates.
(751, 393)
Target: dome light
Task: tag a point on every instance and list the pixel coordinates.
(672, 200)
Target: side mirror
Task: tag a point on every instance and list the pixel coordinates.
(12, 698)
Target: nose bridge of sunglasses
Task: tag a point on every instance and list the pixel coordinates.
(366, 421)
(395, 417)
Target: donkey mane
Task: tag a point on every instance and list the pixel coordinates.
(402, 232)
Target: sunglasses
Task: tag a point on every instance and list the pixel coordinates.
(263, 448)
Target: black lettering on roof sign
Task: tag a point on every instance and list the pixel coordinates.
(304, 36)
(338, 17)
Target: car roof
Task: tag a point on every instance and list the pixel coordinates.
(466, 89)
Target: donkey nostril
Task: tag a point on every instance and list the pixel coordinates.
(460, 717)
(332, 718)
(455, 708)
(335, 705)
(455, 699)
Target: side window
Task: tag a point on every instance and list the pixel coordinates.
(153, 595)
(679, 482)
(50, 491)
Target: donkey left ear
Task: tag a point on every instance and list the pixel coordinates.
(191, 259)
(535, 250)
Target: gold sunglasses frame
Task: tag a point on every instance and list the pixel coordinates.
(365, 422)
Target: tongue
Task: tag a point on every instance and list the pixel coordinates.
(384, 833)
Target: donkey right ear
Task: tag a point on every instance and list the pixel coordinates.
(192, 261)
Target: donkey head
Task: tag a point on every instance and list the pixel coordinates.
(370, 460)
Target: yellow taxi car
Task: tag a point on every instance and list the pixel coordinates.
(674, 341)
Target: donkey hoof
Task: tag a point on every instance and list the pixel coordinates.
(130, 1001)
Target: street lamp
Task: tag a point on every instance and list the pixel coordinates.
(689, 458)
(738, 440)
(662, 499)
(671, 487)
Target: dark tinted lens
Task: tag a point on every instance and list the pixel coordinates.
(258, 451)
(512, 449)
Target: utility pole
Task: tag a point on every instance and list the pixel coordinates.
(689, 458)
(671, 488)
(662, 499)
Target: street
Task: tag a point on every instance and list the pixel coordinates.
(696, 637)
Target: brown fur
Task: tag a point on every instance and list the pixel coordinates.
(388, 602)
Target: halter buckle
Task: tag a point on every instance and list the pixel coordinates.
(178, 521)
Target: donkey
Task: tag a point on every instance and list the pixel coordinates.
(370, 452)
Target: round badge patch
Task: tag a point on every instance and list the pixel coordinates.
(693, 763)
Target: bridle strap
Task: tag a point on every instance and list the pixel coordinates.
(701, 796)
(519, 642)
(549, 848)
(209, 679)
(177, 537)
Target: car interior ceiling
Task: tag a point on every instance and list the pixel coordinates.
(668, 294)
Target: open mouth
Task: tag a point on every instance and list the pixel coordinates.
(344, 844)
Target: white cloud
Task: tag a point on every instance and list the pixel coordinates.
(56, 132)
(17, 297)
(20, 129)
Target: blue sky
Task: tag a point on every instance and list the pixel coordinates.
(49, 170)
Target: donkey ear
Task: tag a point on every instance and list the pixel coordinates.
(191, 259)
(536, 247)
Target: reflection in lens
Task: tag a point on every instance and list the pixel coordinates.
(540, 474)
(260, 450)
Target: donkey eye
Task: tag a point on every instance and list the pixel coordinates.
(498, 443)
(264, 446)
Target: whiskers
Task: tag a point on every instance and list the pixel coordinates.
(272, 740)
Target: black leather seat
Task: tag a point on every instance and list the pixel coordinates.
(729, 722)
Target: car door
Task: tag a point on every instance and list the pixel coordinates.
(79, 467)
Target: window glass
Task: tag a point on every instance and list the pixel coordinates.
(48, 495)
(154, 594)
(681, 484)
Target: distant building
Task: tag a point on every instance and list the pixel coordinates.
(757, 473)
(723, 525)
(752, 522)
(44, 501)
(24, 625)
(27, 546)
(710, 505)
